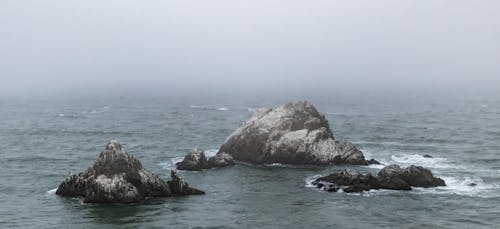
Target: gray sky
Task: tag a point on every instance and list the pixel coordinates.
(248, 45)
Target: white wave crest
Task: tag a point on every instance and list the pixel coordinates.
(222, 108)
(465, 186)
(211, 152)
(309, 180)
(376, 166)
(417, 159)
(171, 163)
(275, 165)
(374, 192)
(52, 191)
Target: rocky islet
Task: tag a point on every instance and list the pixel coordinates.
(117, 177)
(196, 160)
(295, 133)
(390, 177)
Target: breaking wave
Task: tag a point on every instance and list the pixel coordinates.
(417, 159)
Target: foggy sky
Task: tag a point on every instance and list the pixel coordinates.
(51, 47)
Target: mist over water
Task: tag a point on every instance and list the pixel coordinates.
(170, 47)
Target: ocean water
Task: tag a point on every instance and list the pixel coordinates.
(42, 140)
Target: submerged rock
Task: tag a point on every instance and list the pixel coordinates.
(427, 156)
(196, 160)
(115, 177)
(295, 133)
(390, 177)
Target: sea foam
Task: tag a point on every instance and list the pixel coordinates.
(417, 159)
(310, 180)
(170, 164)
(211, 152)
(464, 186)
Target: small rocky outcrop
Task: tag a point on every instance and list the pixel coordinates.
(373, 162)
(221, 159)
(295, 133)
(390, 177)
(115, 177)
(179, 186)
(196, 160)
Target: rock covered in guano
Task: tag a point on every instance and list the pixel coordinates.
(115, 177)
(295, 133)
(390, 177)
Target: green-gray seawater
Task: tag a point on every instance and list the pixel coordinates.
(42, 140)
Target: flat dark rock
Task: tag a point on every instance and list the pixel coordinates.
(390, 177)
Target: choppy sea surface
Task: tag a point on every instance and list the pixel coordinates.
(42, 140)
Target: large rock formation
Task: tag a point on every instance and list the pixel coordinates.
(390, 177)
(196, 160)
(295, 133)
(116, 177)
